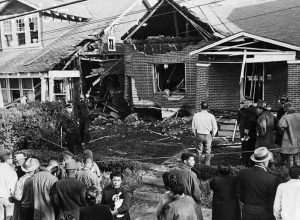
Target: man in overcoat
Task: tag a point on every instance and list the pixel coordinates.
(256, 188)
(289, 124)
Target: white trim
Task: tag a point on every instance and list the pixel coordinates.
(293, 62)
(63, 74)
(203, 64)
(244, 34)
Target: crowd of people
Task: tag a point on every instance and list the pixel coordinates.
(254, 194)
(70, 190)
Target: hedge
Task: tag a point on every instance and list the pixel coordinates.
(35, 126)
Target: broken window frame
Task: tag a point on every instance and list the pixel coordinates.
(156, 87)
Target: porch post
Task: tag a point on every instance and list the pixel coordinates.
(43, 89)
(1, 98)
(67, 83)
(51, 89)
(242, 95)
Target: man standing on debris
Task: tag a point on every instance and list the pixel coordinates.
(84, 119)
(247, 120)
(289, 124)
(189, 180)
(204, 127)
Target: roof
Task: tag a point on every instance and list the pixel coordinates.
(246, 35)
(198, 10)
(274, 19)
(43, 60)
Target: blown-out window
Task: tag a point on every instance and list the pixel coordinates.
(169, 77)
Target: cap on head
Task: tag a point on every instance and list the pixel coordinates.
(31, 164)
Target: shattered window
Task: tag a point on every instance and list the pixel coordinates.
(33, 25)
(8, 33)
(20, 26)
(169, 77)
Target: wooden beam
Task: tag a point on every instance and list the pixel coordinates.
(235, 46)
(242, 95)
(175, 23)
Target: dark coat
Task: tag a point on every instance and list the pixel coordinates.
(256, 188)
(109, 191)
(225, 205)
(265, 130)
(95, 212)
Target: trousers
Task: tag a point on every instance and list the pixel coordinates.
(6, 209)
(204, 146)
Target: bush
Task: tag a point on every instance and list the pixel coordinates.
(35, 126)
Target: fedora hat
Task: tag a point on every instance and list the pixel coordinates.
(261, 154)
(18, 156)
(31, 164)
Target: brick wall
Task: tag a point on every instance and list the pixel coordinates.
(139, 66)
(294, 84)
(223, 86)
(202, 84)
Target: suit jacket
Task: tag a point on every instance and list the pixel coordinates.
(256, 188)
(225, 203)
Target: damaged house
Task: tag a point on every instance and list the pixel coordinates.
(60, 53)
(159, 69)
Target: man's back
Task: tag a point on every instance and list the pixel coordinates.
(42, 184)
(183, 208)
(291, 136)
(8, 180)
(204, 123)
(71, 194)
(190, 182)
(287, 200)
(88, 177)
(256, 189)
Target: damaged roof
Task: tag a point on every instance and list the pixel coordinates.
(198, 12)
(44, 59)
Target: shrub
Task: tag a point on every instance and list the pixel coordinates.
(35, 126)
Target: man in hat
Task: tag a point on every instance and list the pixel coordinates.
(204, 127)
(84, 119)
(247, 121)
(19, 159)
(265, 127)
(289, 124)
(8, 180)
(42, 184)
(256, 188)
(24, 190)
(69, 193)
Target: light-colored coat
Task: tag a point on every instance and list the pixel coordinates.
(42, 184)
(290, 124)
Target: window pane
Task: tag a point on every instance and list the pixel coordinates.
(14, 83)
(33, 25)
(21, 38)
(59, 86)
(7, 27)
(20, 25)
(26, 84)
(15, 94)
(5, 96)
(8, 40)
(3, 83)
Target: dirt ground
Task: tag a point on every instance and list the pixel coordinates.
(149, 141)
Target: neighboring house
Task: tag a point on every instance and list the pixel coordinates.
(29, 50)
(159, 70)
(49, 54)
